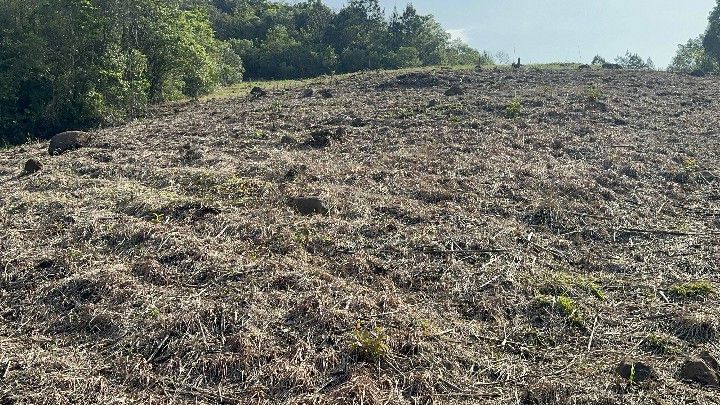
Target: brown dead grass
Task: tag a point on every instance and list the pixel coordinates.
(163, 264)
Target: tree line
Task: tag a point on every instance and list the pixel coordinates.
(81, 63)
(701, 55)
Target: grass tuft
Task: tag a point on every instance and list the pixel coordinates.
(695, 289)
(370, 344)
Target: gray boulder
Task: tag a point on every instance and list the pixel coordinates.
(66, 141)
(454, 91)
(32, 166)
(309, 206)
(697, 370)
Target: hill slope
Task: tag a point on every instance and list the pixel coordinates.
(516, 242)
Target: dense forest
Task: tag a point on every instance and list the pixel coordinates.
(82, 63)
(79, 63)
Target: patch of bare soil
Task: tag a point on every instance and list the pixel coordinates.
(539, 237)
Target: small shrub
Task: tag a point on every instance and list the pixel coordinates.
(694, 289)
(565, 305)
(370, 344)
(513, 108)
(594, 94)
(660, 344)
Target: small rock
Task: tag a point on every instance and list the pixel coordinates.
(584, 67)
(619, 121)
(358, 122)
(710, 361)
(67, 141)
(307, 93)
(340, 133)
(288, 140)
(326, 93)
(696, 370)
(454, 91)
(32, 166)
(433, 103)
(257, 92)
(635, 371)
(319, 139)
(309, 206)
(44, 263)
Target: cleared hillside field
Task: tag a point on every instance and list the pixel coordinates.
(516, 243)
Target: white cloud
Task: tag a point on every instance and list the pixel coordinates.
(459, 33)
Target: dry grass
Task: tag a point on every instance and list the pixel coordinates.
(467, 257)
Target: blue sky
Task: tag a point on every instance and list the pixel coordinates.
(568, 30)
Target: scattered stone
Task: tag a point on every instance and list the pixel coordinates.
(698, 73)
(309, 206)
(454, 91)
(635, 372)
(340, 133)
(358, 122)
(696, 370)
(32, 166)
(45, 263)
(67, 141)
(433, 103)
(288, 140)
(619, 122)
(584, 67)
(307, 93)
(326, 93)
(257, 92)
(710, 361)
(319, 139)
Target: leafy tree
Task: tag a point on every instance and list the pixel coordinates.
(634, 61)
(691, 57)
(485, 59)
(598, 60)
(79, 63)
(459, 53)
(711, 41)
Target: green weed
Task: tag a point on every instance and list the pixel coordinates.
(513, 108)
(594, 94)
(565, 305)
(370, 344)
(695, 289)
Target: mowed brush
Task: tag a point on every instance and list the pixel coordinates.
(534, 236)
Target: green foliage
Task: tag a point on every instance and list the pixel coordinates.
(634, 61)
(370, 344)
(566, 306)
(68, 64)
(692, 58)
(513, 108)
(598, 60)
(485, 59)
(696, 289)
(307, 39)
(660, 344)
(459, 53)
(594, 93)
(711, 40)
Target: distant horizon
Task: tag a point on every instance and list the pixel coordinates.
(566, 30)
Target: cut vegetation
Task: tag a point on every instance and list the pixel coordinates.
(534, 236)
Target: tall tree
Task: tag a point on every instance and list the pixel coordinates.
(711, 42)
